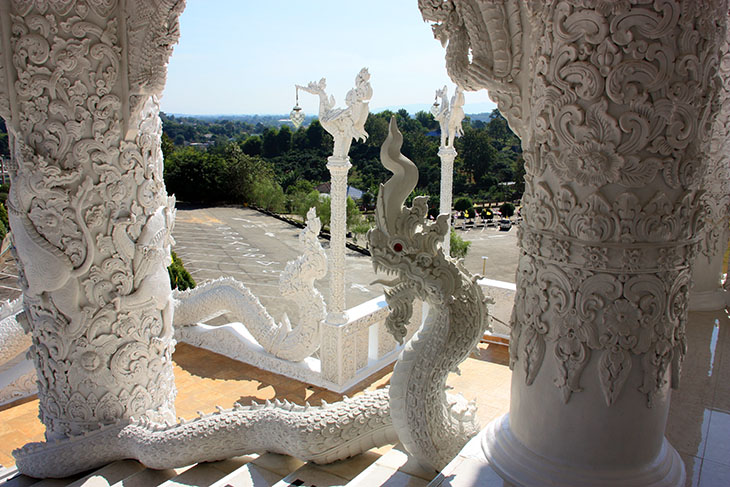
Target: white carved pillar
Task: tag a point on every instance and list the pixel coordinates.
(707, 289)
(449, 115)
(338, 168)
(447, 156)
(344, 125)
(613, 106)
(88, 209)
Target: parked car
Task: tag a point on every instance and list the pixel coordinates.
(505, 224)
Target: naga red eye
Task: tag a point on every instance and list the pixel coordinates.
(398, 247)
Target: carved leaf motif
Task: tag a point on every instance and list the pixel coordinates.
(613, 370)
(533, 352)
(572, 355)
(656, 364)
(595, 293)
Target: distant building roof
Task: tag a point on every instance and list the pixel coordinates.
(353, 193)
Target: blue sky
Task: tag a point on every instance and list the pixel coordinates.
(244, 57)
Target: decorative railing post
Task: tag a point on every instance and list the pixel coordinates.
(88, 210)
(613, 104)
(343, 125)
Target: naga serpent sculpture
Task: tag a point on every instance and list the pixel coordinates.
(227, 295)
(416, 410)
(432, 425)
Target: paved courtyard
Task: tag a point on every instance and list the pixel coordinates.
(254, 248)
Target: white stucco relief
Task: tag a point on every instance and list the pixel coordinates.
(708, 292)
(613, 104)
(88, 211)
(91, 222)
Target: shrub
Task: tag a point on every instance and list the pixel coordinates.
(463, 204)
(507, 209)
(4, 225)
(180, 278)
(459, 246)
(313, 200)
(267, 194)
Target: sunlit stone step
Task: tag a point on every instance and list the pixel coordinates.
(149, 477)
(206, 474)
(249, 475)
(394, 468)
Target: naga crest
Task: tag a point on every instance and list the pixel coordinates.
(404, 242)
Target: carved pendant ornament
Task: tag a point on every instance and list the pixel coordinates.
(613, 104)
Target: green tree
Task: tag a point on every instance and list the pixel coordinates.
(193, 175)
(180, 278)
(267, 194)
(463, 204)
(507, 209)
(518, 173)
(167, 145)
(243, 173)
(479, 156)
(353, 215)
(252, 146)
(283, 139)
(318, 201)
(458, 246)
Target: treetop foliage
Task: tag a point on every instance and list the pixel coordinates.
(235, 161)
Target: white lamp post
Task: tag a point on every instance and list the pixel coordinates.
(344, 125)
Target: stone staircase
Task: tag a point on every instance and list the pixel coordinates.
(373, 468)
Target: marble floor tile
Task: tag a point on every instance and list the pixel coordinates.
(201, 475)
(688, 427)
(398, 459)
(148, 477)
(468, 473)
(281, 465)
(714, 474)
(718, 438)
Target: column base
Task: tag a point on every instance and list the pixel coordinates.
(709, 300)
(522, 467)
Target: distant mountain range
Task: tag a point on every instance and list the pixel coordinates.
(469, 108)
(475, 111)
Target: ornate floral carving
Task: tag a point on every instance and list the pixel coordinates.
(338, 229)
(619, 113)
(90, 217)
(716, 199)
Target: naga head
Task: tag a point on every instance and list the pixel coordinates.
(404, 242)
